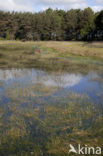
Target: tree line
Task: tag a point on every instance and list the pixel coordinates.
(74, 24)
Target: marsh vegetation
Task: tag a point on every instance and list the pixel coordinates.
(51, 95)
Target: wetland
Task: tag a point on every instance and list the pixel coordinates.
(51, 96)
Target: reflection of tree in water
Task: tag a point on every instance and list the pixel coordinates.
(13, 73)
(38, 77)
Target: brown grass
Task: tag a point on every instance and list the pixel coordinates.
(21, 54)
(94, 49)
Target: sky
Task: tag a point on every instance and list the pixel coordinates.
(40, 5)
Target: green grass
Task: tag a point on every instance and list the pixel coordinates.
(43, 54)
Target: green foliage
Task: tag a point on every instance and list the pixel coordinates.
(99, 21)
(74, 24)
(7, 36)
(87, 22)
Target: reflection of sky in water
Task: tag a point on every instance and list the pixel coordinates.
(65, 80)
(36, 76)
(86, 84)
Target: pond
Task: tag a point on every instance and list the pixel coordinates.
(42, 112)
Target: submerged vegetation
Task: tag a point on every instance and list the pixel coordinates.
(38, 118)
(43, 105)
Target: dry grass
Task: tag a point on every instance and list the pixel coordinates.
(94, 49)
(21, 54)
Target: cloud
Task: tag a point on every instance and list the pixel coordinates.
(64, 4)
(97, 8)
(77, 6)
(99, 1)
(60, 2)
(37, 5)
(15, 5)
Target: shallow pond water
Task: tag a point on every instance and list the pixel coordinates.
(90, 84)
(39, 107)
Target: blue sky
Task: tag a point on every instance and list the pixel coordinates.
(40, 5)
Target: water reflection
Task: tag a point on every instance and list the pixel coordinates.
(90, 84)
(44, 110)
(60, 79)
